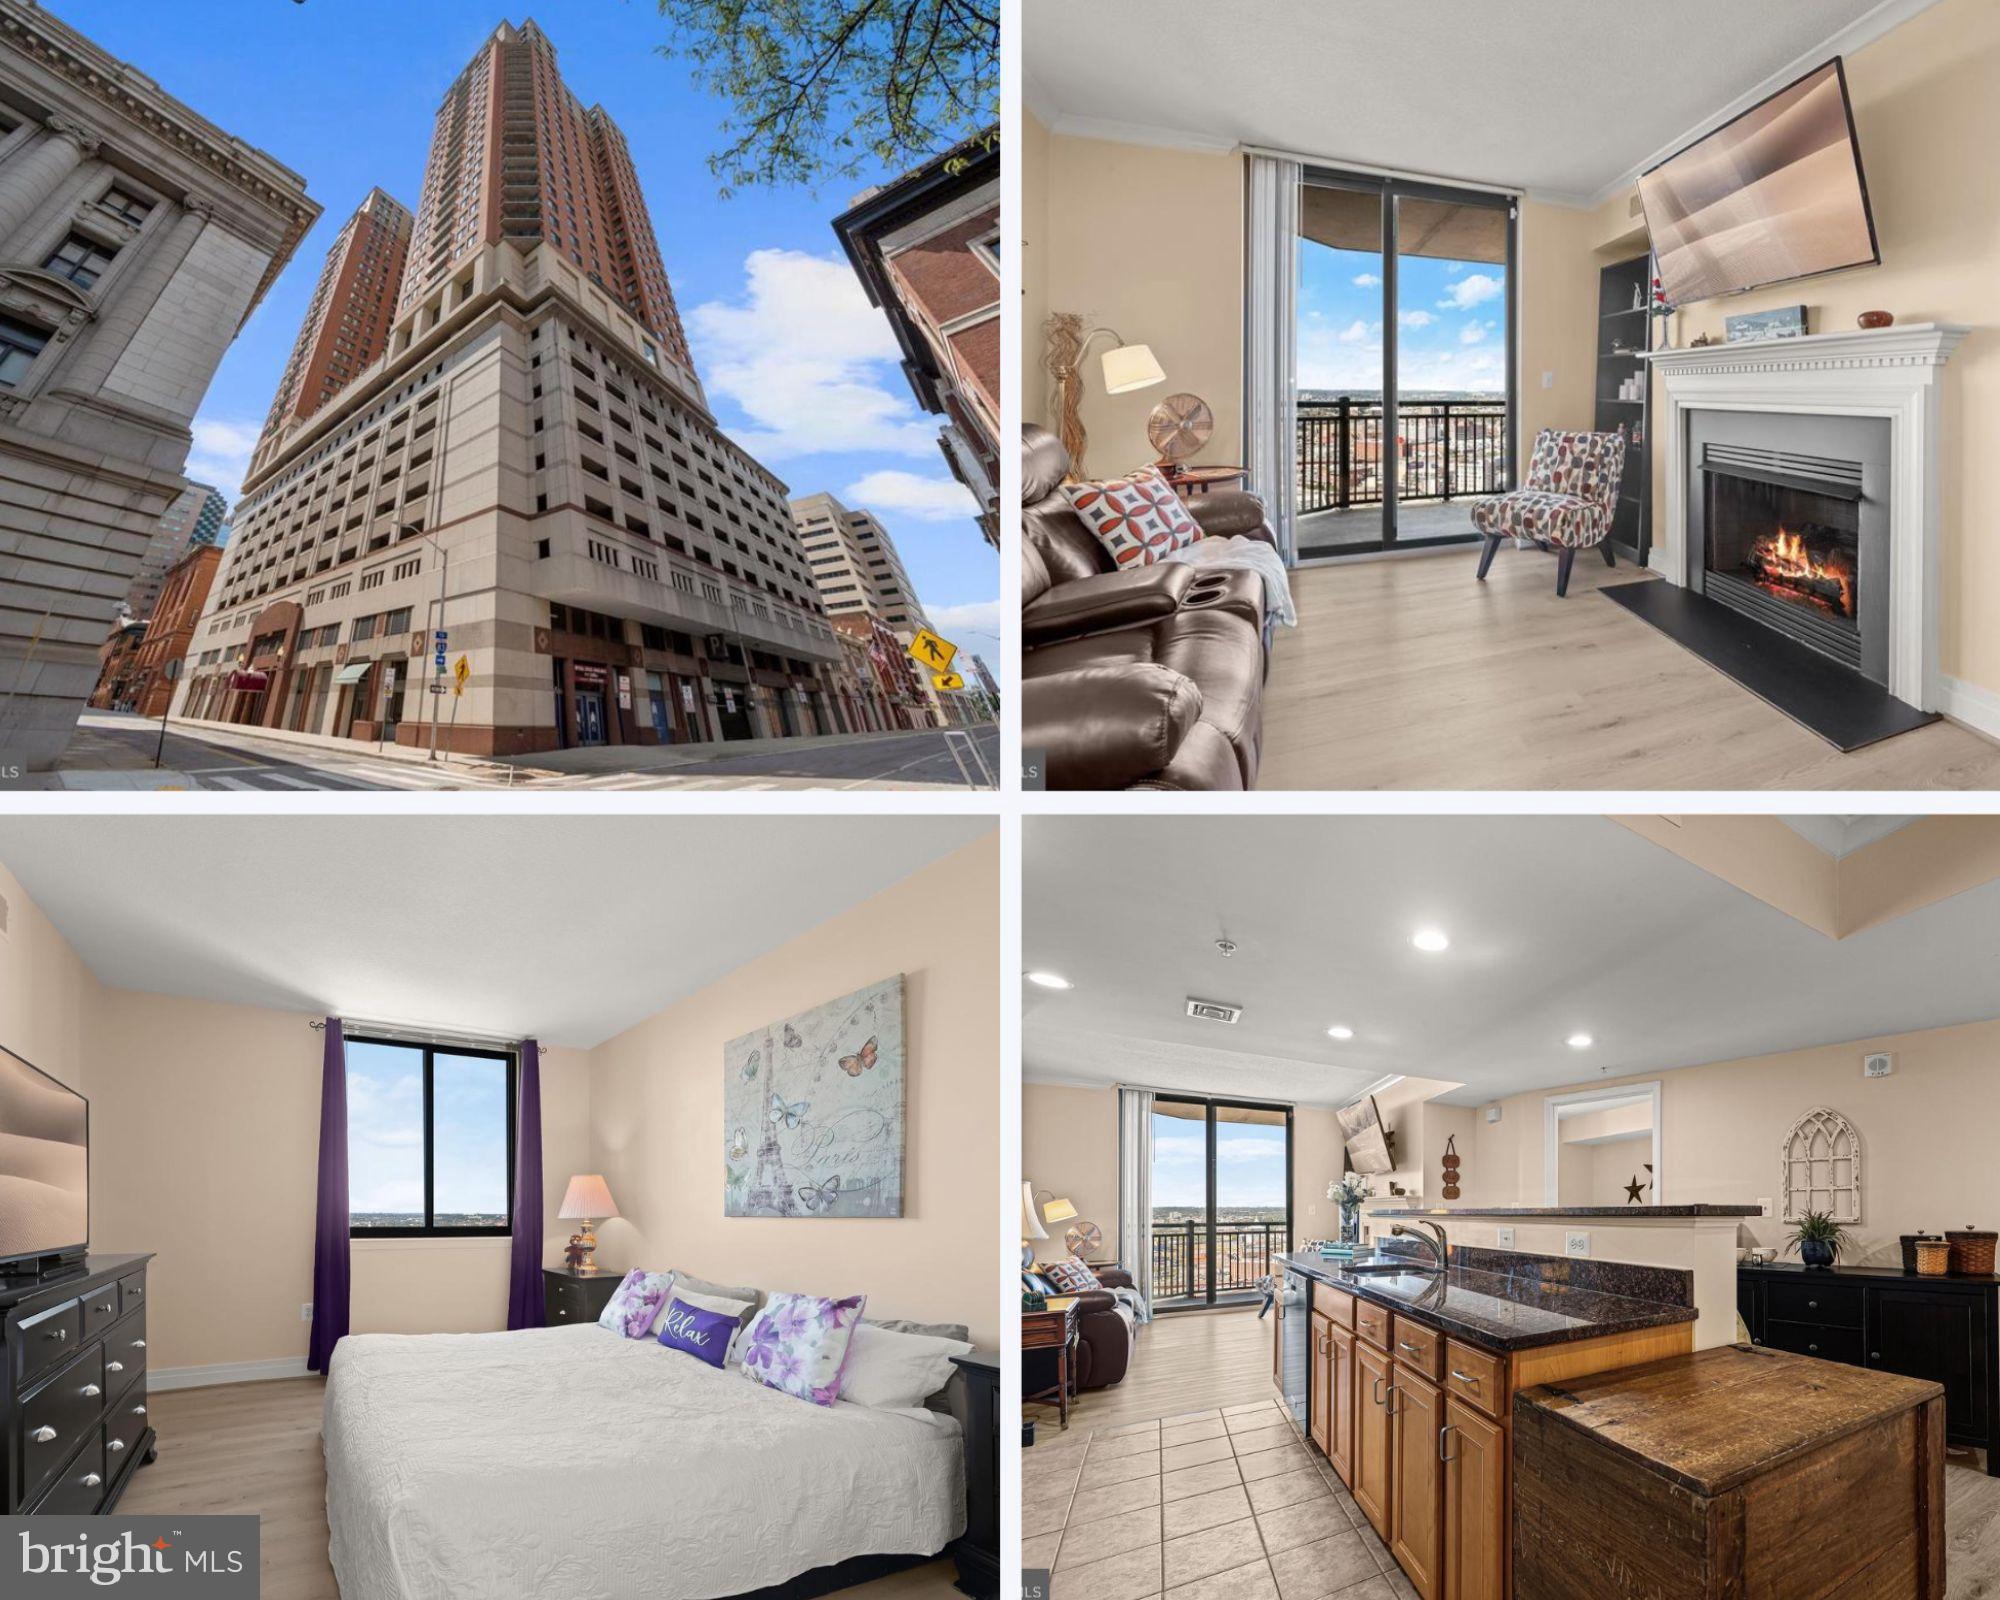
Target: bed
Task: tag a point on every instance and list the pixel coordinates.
(570, 1461)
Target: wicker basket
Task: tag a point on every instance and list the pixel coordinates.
(1909, 1243)
(1972, 1251)
(1933, 1258)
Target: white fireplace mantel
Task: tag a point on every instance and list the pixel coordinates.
(1887, 372)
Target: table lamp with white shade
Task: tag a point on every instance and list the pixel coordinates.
(587, 1197)
(1031, 1226)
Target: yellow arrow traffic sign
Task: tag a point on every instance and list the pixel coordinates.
(929, 650)
(947, 681)
(461, 669)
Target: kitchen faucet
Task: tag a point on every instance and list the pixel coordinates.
(1439, 1245)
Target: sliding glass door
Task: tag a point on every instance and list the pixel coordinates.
(1222, 1199)
(1406, 393)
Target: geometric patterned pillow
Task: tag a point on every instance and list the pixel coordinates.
(1071, 1276)
(1139, 519)
(635, 1302)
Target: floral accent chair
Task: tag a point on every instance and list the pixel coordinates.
(1571, 492)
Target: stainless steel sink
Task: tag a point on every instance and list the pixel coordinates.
(1392, 1267)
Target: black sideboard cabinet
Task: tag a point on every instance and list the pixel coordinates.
(74, 1425)
(1945, 1329)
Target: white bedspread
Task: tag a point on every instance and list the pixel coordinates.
(572, 1462)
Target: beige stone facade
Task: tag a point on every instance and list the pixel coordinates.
(135, 238)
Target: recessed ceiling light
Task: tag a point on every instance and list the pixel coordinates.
(1340, 1031)
(1430, 940)
(1580, 1041)
(1050, 980)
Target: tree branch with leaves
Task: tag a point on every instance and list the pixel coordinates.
(827, 89)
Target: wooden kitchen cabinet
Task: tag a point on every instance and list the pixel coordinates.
(1340, 1403)
(1474, 1451)
(1374, 1443)
(1416, 1513)
(1319, 1387)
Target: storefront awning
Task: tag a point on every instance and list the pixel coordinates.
(353, 672)
(249, 680)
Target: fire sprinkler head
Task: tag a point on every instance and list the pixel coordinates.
(1226, 946)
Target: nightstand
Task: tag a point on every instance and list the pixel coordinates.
(977, 1551)
(572, 1296)
(1047, 1335)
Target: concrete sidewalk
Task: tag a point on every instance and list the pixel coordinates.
(601, 758)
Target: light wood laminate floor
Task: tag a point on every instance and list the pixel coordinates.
(1190, 1369)
(1408, 674)
(255, 1447)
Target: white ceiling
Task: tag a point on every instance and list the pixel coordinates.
(1558, 925)
(568, 928)
(1565, 98)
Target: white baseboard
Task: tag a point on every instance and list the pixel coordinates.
(225, 1372)
(1977, 708)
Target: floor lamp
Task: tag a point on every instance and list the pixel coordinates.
(1126, 367)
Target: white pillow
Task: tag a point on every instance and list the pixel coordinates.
(896, 1369)
(739, 1309)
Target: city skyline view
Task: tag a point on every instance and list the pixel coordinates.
(385, 1135)
(799, 368)
(1451, 319)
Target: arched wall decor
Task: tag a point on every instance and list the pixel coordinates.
(1820, 1167)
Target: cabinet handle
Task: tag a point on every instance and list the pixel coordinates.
(91, 1391)
(138, 1344)
(138, 1411)
(1389, 1401)
(1447, 1428)
(43, 1435)
(114, 1445)
(1414, 1349)
(1376, 1392)
(114, 1366)
(90, 1480)
(1465, 1378)
(57, 1334)
(105, 1307)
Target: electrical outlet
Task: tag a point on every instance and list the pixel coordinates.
(1576, 1242)
(1506, 1237)
(306, 1311)
(1548, 380)
(1764, 1206)
(1312, 1210)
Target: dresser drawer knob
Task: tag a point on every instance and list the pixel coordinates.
(105, 1307)
(1812, 1305)
(138, 1411)
(57, 1334)
(138, 1344)
(114, 1366)
(1812, 1349)
(91, 1391)
(43, 1435)
(90, 1480)
(114, 1445)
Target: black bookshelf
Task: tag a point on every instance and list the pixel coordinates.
(1623, 331)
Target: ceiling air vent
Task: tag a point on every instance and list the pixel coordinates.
(1213, 1010)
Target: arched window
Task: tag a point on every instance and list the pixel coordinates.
(1821, 1167)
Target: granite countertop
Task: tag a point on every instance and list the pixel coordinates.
(1635, 1213)
(1502, 1313)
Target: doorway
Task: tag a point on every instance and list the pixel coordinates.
(1222, 1199)
(1405, 385)
(732, 711)
(590, 716)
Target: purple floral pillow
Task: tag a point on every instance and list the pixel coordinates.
(635, 1302)
(697, 1331)
(799, 1343)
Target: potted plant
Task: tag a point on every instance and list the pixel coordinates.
(1818, 1239)
(1348, 1194)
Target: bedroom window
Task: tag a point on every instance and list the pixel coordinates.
(430, 1140)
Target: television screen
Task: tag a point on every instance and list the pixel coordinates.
(1367, 1144)
(44, 1163)
(1778, 193)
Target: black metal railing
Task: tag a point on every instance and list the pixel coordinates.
(1446, 448)
(1243, 1252)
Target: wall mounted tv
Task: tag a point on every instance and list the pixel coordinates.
(1775, 194)
(44, 1165)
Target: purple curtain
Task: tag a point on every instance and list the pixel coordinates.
(525, 1307)
(330, 1265)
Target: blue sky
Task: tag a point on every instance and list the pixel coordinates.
(798, 367)
(1249, 1163)
(1451, 314)
(385, 1131)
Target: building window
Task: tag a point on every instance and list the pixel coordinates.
(121, 203)
(19, 345)
(80, 260)
(430, 1140)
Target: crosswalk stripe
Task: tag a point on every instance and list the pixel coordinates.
(287, 780)
(223, 780)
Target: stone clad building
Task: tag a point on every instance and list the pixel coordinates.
(135, 238)
(530, 466)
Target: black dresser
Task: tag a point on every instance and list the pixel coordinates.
(1945, 1329)
(73, 1418)
(572, 1296)
(977, 1552)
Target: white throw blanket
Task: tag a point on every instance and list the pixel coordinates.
(1252, 555)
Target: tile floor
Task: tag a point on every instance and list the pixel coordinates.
(1206, 1505)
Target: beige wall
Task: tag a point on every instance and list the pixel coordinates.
(1092, 199)
(46, 991)
(1556, 308)
(656, 1111)
(1925, 1132)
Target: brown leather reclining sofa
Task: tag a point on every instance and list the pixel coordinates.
(1145, 678)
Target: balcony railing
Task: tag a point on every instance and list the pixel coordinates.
(1447, 449)
(1243, 1252)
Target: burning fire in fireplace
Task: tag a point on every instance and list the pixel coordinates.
(1786, 566)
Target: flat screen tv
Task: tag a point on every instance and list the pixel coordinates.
(44, 1165)
(1776, 194)
(1367, 1142)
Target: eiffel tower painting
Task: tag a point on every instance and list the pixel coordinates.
(770, 1190)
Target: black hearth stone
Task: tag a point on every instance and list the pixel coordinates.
(1835, 702)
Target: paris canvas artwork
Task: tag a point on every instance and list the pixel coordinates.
(812, 1105)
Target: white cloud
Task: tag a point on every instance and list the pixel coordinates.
(221, 454)
(809, 361)
(913, 494)
(1354, 333)
(1474, 332)
(974, 616)
(1367, 280)
(1472, 290)
(1415, 319)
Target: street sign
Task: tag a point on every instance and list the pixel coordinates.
(928, 650)
(440, 636)
(435, 688)
(624, 692)
(460, 671)
(947, 681)
(687, 696)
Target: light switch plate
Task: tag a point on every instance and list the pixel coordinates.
(306, 1311)
(1576, 1242)
(1506, 1237)
(1548, 380)
(1764, 1205)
